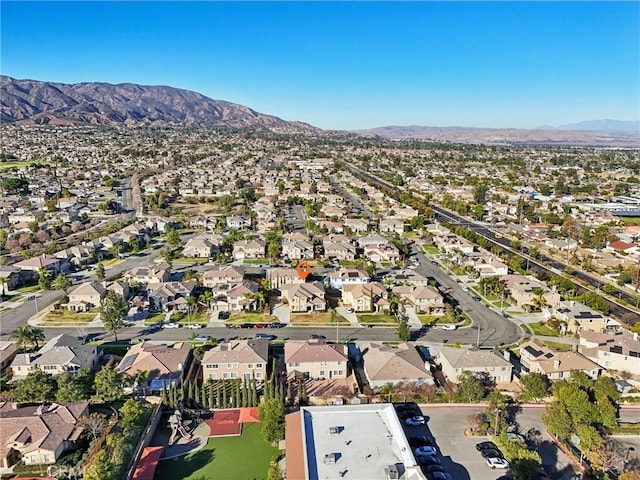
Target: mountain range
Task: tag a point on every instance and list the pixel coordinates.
(32, 102)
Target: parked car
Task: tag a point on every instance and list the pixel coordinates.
(276, 325)
(496, 462)
(486, 446)
(223, 315)
(422, 440)
(349, 310)
(171, 325)
(433, 468)
(439, 476)
(491, 453)
(266, 335)
(428, 460)
(202, 338)
(154, 326)
(449, 326)
(246, 325)
(426, 450)
(194, 326)
(315, 336)
(260, 325)
(415, 421)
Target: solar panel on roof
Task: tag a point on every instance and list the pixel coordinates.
(128, 361)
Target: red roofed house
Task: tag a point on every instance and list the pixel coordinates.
(620, 246)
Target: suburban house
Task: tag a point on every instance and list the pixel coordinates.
(150, 274)
(280, 276)
(62, 354)
(451, 243)
(340, 250)
(554, 364)
(89, 295)
(44, 262)
(577, 317)
(373, 240)
(164, 363)
(170, 295)
(382, 253)
(316, 360)
(238, 223)
(8, 351)
(79, 255)
(561, 244)
(394, 363)
(356, 225)
(619, 351)
(524, 290)
(391, 225)
(9, 278)
(297, 249)
(237, 298)
(304, 297)
(367, 297)
(243, 359)
(246, 249)
(200, 247)
(424, 298)
(39, 434)
(225, 275)
(490, 266)
(348, 276)
(406, 276)
(454, 361)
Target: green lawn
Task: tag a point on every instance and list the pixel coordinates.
(256, 261)
(631, 220)
(157, 318)
(190, 260)
(555, 345)
(69, 317)
(225, 458)
(193, 318)
(29, 289)
(16, 164)
(431, 249)
(364, 318)
(428, 319)
(318, 318)
(544, 330)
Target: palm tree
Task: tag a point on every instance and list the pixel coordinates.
(539, 299)
(22, 335)
(191, 302)
(206, 297)
(37, 336)
(387, 389)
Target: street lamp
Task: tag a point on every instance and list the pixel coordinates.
(630, 449)
(478, 339)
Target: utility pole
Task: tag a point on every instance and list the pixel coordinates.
(478, 339)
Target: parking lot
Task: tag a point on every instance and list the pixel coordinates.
(458, 453)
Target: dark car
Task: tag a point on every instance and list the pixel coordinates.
(223, 315)
(246, 325)
(433, 468)
(422, 441)
(490, 453)
(428, 460)
(315, 336)
(486, 446)
(276, 325)
(266, 336)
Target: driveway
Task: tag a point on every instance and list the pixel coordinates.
(282, 313)
(351, 316)
(414, 321)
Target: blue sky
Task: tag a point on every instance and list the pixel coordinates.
(349, 65)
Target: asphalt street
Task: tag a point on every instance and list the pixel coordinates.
(494, 328)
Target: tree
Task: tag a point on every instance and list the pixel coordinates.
(470, 387)
(101, 467)
(44, 280)
(72, 388)
(589, 437)
(272, 420)
(133, 411)
(173, 238)
(37, 336)
(535, 385)
(558, 420)
(100, 273)
(112, 312)
(605, 456)
(108, 384)
(274, 472)
(403, 330)
(388, 389)
(62, 282)
(22, 335)
(94, 423)
(37, 386)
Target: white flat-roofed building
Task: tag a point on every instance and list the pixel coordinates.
(362, 440)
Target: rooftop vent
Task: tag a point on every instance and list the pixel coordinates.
(335, 430)
(393, 472)
(330, 458)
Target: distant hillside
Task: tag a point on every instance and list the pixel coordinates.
(599, 126)
(34, 102)
(505, 136)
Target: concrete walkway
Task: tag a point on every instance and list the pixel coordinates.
(350, 316)
(215, 320)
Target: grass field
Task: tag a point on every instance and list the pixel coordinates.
(8, 165)
(428, 319)
(626, 220)
(29, 289)
(555, 345)
(225, 458)
(431, 249)
(69, 317)
(319, 318)
(544, 330)
(364, 318)
(193, 318)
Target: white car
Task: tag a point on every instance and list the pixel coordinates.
(495, 462)
(426, 450)
(194, 326)
(414, 421)
(170, 325)
(449, 326)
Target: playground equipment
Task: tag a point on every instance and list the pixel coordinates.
(175, 422)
